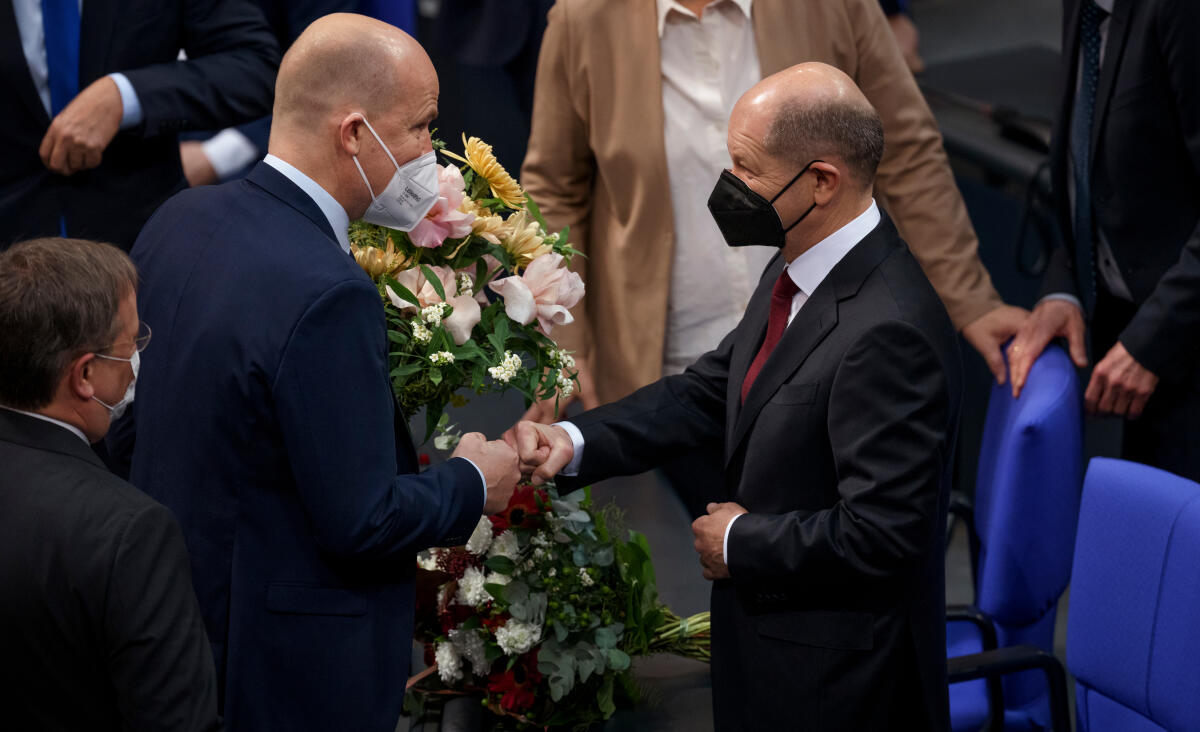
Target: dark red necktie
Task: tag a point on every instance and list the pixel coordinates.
(781, 306)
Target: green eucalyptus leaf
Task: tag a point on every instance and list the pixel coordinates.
(501, 564)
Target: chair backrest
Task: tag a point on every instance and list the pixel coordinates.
(1133, 636)
(1026, 506)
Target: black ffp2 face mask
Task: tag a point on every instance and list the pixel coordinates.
(744, 217)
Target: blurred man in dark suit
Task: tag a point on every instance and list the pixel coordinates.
(97, 96)
(1126, 165)
(99, 627)
(836, 400)
(267, 422)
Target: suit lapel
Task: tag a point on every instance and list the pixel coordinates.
(1114, 48)
(751, 332)
(15, 68)
(96, 27)
(811, 325)
(278, 185)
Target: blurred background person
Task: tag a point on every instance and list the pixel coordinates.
(618, 155)
(1126, 166)
(89, 142)
(275, 438)
(99, 626)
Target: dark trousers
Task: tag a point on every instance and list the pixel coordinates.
(1167, 435)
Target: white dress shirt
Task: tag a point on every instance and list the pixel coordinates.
(340, 222)
(68, 427)
(1106, 264)
(707, 64)
(229, 151)
(33, 44)
(808, 271)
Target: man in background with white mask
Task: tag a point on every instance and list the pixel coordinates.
(265, 418)
(99, 627)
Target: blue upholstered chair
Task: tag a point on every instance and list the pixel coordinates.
(1025, 509)
(1133, 635)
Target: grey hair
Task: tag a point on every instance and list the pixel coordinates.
(59, 299)
(804, 131)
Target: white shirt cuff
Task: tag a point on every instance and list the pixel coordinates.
(482, 479)
(572, 467)
(1066, 297)
(725, 542)
(131, 106)
(229, 151)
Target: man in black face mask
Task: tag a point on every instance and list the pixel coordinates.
(836, 399)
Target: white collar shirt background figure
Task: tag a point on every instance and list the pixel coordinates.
(707, 64)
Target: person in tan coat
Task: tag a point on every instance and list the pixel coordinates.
(629, 131)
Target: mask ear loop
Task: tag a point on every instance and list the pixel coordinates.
(385, 150)
(789, 185)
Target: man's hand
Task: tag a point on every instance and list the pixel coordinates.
(197, 168)
(710, 538)
(1120, 386)
(1050, 319)
(544, 411)
(498, 461)
(81, 132)
(989, 332)
(544, 449)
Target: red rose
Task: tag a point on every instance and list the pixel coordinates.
(518, 685)
(523, 511)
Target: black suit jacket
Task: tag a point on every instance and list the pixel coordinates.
(99, 627)
(228, 79)
(1145, 172)
(834, 616)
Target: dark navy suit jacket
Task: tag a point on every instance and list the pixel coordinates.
(264, 419)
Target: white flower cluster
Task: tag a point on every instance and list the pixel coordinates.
(427, 560)
(505, 545)
(421, 334)
(559, 357)
(466, 288)
(495, 578)
(470, 589)
(517, 637)
(585, 578)
(469, 644)
(508, 368)
(481, 537)
(566, 387)
(441, 358)
(433, 314)
(449, 663)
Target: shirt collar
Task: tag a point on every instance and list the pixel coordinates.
(329, 206)
(1105, 5)
(666, 6)
(810, 268)
(69, 427)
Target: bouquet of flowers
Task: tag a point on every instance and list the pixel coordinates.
(541, 612)
(483, 235)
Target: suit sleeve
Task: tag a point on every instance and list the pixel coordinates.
(889, 428)
(1167, 325)
(914, 180)
(159, 660)
(334, 406)
(659, 422)
(229, 77)
(559, 168)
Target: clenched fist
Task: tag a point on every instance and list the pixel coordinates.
(81, 132)
(498, 462)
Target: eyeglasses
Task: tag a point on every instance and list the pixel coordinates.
(143, 337)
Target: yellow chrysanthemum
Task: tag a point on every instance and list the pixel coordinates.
(486, 224)
(377, 262)
(524, 240)
(483, 161)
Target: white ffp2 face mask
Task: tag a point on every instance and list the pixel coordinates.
(410, 193)
(116, 410)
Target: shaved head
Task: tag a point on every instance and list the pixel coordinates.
(814, 111)
(345, 62)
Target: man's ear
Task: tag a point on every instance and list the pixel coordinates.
(829, 180)
(350, 133)
(79, 377)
